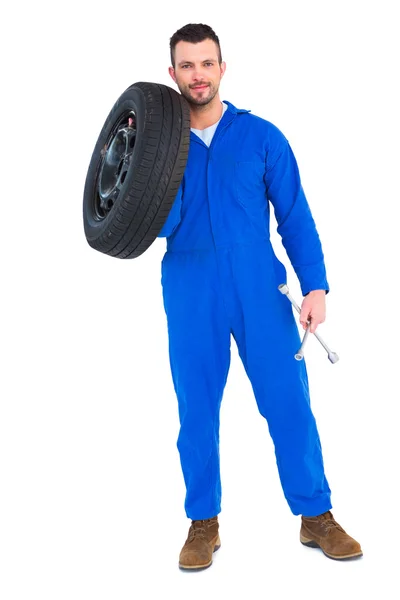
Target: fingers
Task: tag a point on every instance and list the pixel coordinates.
(312, 312)
(315, 321)
(314, 325)
(304, 318)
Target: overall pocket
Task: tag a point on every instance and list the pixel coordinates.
(249, 183)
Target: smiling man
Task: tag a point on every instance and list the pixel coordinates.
(198, 71)
(220, 279)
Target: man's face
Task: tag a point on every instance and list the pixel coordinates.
(197, 71)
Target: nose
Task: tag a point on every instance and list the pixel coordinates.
(199, 74)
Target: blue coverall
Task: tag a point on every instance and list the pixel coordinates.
(220, 276)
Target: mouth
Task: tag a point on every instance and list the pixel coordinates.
(200, 87)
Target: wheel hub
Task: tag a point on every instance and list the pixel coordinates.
(115, 165)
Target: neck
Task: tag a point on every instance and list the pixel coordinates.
(206, 115)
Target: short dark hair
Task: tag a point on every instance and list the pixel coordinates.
(194, 33)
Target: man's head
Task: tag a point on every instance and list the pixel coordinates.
(197, 66)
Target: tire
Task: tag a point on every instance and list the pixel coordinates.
(136, 169)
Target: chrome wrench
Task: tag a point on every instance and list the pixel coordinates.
(332, 356)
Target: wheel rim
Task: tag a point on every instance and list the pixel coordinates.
(117, 155)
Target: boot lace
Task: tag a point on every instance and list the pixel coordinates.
(198, 529)
(328, 523)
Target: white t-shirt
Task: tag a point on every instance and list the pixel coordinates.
(207, 134)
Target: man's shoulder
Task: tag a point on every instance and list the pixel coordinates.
(253, 120)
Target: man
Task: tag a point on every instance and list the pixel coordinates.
(220, 277)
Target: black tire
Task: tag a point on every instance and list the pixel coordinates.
(136, 169)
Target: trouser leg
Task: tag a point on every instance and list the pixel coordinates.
(199, 349)
(268, 337)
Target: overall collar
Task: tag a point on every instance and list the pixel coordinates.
(228, 116)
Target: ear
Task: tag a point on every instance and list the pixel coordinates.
(223, 68)
(171, 71)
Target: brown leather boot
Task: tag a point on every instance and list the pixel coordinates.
(202, 541)
(325, 533)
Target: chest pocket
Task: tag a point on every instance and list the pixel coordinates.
(249, 182)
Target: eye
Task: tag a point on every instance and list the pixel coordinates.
(209, 63)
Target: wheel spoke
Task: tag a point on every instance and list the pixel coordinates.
(115, 164)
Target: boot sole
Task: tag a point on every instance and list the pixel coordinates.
(200, 567)
(313, 544)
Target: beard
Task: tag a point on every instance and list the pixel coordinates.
(198, 98)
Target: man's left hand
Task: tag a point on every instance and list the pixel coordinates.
(313, 309)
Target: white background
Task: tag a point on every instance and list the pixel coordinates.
(91, 501)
